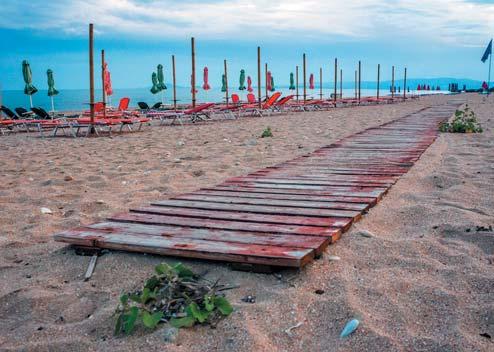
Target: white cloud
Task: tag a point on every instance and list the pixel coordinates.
(455, 21)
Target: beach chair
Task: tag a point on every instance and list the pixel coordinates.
(157, 106)
(282, 103)
(235, 99)
(251, 98)
(199, 113)
(123, 105)
(9, 113)
(266, 107)
(41, 114)
(143, 106)
(23, 113)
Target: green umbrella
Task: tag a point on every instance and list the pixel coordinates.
(161, 78)
(51, 88)
(155, 88)
(272, 84)
(223, 83)
(242, 80)
(29, 89)
(292, 82)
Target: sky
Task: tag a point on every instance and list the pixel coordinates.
(432, 38)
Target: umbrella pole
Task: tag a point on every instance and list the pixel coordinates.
(378, 78)
(31, 100)
(266, 79)
(359, 79)
(335, 79)
(52, 106)
(91, 79)
(320, 83)
(103, 82)
(226, 83)
(259, 75)
(392, 82)
(341, 83)
(405, 85)
(192, 42)
(296, 81)
(304, 78)
(174, 86)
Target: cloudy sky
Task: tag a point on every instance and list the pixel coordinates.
(433, 38)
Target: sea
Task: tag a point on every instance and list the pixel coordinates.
(78, 99)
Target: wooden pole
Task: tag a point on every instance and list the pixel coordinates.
(359, 79)
(405, 85)
(378, 78)
(341, 83)
(259, 75)
(305, 82)
(335, 79)
(392, 82)
(103, 82)
(266, 79)
(91, 77)
(296, 81)
(226, 83)
(320, 83)
(174, 84)
(193, 79)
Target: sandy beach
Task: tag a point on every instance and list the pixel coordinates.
(423, 282)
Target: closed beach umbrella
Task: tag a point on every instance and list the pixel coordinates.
(51, 88)
(107, 83)
(272, 84)
(29, 89)
(292, 82)
(418, 87)
(249, 85)
(242, 80)
(154, 78)
(311, 81)
(268, 81)
(206, 85)
(223, 83)
(161, 78)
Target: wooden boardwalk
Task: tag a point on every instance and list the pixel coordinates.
(283, 215)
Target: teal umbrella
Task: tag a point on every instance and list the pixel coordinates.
(161, 78)
(51, 88)
(292, 82)
(29, 89)
(242, 80)
(223, 83)
(155, 88)
(272, 84)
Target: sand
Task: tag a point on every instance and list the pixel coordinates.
(423, 282)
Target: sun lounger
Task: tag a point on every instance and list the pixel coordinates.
(199, 113)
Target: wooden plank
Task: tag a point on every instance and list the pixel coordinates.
(272, 202)
(318, 243)
(279, 180)
(192, 248)
(259, 209)
(233, 221)
(292, 191)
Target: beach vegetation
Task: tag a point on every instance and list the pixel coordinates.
(464, 121)
(176, 295)
(267, 132)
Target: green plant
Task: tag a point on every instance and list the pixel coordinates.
(175, 295)
(267, 133)
(464, 121)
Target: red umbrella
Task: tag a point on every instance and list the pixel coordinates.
(418, 87)
(428, 87)
(311, 81)
(268, 83)
(249, 85)
(206, 85)
(107, 79)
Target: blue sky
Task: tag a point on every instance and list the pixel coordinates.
(433, 38)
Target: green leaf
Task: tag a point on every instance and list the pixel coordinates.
(118, 325)
(162, 269)
(135, 297)
(183, 271)
(208, 303)
(124, 299)
(129, 320)
(223, 305)
(185, 322)
(198, 313)
(152, 282)
(145, 295)
(151, 320)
